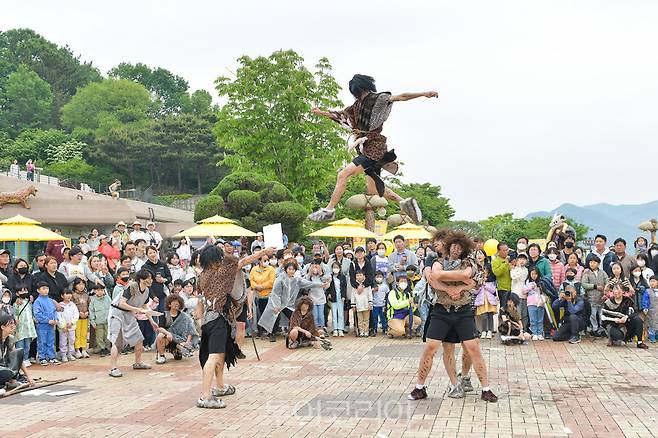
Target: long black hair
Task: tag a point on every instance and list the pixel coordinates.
(360, 83)
(210, 255)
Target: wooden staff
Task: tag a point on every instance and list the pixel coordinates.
(43, 384)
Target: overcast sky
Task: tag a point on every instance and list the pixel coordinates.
(540, 102)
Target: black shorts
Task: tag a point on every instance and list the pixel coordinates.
(242, 317)
(452, 327)
(213, 339)
(367, 163)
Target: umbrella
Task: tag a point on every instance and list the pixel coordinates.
(23, 229)
(343, 228)
(408, 231)
(216, 226)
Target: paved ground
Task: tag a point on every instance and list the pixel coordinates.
(358, 389)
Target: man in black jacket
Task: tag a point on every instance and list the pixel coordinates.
(161, 276)
(573, 321)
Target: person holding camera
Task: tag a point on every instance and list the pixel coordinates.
(573, 320)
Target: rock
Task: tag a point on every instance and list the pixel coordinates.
(430, 229)
(395, 220)
(650, 225)
(359, 202)
(381, 212)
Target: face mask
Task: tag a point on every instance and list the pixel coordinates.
(273, 262)
(266, 263)
(336, 271)
(521, 246)
(403, 286)
(23, 295)
(124, 279)
(552, 257)
(6, 300)
(299, 259)
(568, 244)
(381, 252)
(22, 270)
(641, 263)
(379, 280)
(637, 274)
(247, 267)
(570, 277)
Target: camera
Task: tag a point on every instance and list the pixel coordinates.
(567, 293)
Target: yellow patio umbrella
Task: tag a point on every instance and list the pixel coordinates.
(408, 231)
(216, 226)
(344, 228)
(23, 229)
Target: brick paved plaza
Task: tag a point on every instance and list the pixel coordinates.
(357, 389)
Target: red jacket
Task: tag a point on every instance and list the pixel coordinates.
(54, 249)
(111, 253)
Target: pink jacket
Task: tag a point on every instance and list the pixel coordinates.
(488, 289)
(557, 270)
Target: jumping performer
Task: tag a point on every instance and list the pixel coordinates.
(452, 320)
(365, 118)
(218, 311)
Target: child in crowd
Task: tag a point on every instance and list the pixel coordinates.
(99, 309)
(594, 282)
(519, 274)
(317, 293)
(536, 303)
(146, 324)
(362, 304)
(302, 327)
(176, 331)
(25, 330)
(67, 320)
(5, 302)
(650, 307)
(570, 280)
(510, 325)
(177, 286)
(412, 275)
(485, 303)
(379, 292)
(45, 317)
(81, 301)
(336, 294)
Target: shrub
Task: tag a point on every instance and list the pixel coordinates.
(243, 202)
(275, 192)
(208, 206)
(239, 181)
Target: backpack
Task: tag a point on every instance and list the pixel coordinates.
(547, 286)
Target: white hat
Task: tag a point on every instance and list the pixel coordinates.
(102, 236)
(121, 223)
(149, 223)
(137, 223)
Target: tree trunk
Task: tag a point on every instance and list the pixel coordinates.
(180, 177)
(198, 179)
(370, 219)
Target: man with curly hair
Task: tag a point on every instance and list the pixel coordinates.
(453, 278)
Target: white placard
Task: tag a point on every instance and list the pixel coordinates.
(273, 236)
(61, 393)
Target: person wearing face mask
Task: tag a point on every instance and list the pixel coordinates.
(643, 262)
(379, 261)
(571, 280)
(336, 293)
(21, 278)
(400, 304)
(123, 278)
(557, 268)
(521, 247)
(262, 278)
(569, 248)
(639, 284)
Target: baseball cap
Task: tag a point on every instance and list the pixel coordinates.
(4, 251)
(235, 243)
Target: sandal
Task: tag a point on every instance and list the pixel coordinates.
(227, 390)
(212, 403)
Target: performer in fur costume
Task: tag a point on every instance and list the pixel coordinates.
(365, 118)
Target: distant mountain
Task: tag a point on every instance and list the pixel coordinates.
(612, 220)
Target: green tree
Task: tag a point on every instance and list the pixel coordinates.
(435, 207)
(25, 102)
(266, 125)
(35, 144)
(82, 172)
(198, 103)
(58, 66)
(168, 91)
(506, 228)
(102, 105)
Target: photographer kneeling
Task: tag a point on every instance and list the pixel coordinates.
(573, 320)
(621, 319)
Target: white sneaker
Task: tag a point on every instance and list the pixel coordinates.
(540, 338)
(489, 335)
(322, 215)
(85, 355)
(341, 333)
(78, 355)
(71, 358)
(535, 337)
(64, 359)
(161, 359)
(334, 333)
(483, 335)
(27, 363)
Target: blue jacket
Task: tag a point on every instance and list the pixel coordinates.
(570, 308)
(44, 310)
